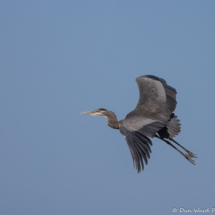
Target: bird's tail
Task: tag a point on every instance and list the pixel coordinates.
(173, 126)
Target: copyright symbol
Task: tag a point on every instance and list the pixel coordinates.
(174, 210)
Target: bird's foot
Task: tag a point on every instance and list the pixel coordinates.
(188, 157)
(191, 154)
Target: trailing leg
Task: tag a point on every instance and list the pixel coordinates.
(189, 152)
(188, 157)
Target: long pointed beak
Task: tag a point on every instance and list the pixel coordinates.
(88, 113)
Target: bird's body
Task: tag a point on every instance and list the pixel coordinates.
(152, 117)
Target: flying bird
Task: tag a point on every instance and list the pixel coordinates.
(152, 117)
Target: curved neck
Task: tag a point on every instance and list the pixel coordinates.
(112, 120)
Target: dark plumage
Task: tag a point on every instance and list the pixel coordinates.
(152, 117)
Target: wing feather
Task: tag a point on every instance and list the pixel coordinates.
(139, 147)
(145, 149)
(155, 94)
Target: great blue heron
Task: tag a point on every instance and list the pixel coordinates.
(152, 117)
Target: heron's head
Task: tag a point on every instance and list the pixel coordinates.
(111, 117)
(97, 112)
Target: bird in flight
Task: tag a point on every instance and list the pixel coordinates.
(152, 117)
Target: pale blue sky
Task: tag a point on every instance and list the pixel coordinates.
(60, 58)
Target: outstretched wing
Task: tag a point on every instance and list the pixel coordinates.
(139, 146)
(136, 130)
(155, 96)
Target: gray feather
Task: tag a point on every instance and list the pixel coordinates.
(174, 127)
(139, 147)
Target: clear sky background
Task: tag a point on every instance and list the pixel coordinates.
(60, 58)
